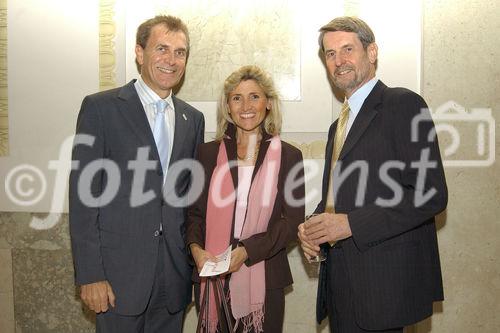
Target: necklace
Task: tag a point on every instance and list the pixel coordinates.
(248, 158)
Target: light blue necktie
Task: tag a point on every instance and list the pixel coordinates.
(160, 134)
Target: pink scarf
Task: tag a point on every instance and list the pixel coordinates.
(247, 286)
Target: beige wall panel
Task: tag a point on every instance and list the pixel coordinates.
(460, 63)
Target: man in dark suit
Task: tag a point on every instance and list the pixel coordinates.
(383, 183)
(126, 208)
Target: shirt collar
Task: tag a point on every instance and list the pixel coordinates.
(358, 98)
(148, 96)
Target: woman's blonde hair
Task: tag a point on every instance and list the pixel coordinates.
(272, 122)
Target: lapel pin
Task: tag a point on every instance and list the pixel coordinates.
(184, 116)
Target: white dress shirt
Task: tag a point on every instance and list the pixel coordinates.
(149, 99)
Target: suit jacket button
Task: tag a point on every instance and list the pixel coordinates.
(157, 233)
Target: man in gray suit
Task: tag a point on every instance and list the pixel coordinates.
(127, 236)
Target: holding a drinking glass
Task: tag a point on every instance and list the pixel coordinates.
(322, 228)
(383, 271)
(321, 256)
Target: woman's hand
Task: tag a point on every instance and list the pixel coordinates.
(238, 256)
(200, 256)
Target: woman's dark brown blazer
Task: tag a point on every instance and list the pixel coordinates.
(285, 218)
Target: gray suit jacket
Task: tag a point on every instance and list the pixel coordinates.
(115, 241)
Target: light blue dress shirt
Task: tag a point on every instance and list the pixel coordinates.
(357, 99)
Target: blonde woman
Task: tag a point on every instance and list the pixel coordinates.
(244, 203)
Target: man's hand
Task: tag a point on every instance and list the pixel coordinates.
(327, 228)
(200, 256)
(97, 296)
(238, 256)
(310, 250)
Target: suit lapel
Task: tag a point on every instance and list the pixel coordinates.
(264, 146)
(181, 124)
(328, 166)
(363, 119)
(133, 111)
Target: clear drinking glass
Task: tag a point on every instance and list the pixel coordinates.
(322, 255)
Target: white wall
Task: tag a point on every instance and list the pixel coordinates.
(53, 64)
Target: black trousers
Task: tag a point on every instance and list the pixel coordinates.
(274, 310)
(156, 317)
(340, 304)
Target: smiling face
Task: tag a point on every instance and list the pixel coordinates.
(348, 63)
(163, 60)
(248, 106)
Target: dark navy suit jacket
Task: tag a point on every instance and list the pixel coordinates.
(392, 257)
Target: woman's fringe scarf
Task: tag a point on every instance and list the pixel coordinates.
(247, 286)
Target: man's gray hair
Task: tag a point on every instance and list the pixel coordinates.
(348, 24)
